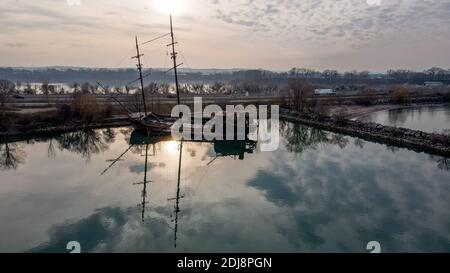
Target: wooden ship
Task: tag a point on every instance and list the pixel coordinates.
(155, 123)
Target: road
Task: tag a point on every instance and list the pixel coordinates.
(44, 101)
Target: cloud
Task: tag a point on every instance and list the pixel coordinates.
(17, 44)
(242, 33)
(347, 20)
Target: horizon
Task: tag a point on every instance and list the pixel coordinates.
(216, 68)
(340, 35)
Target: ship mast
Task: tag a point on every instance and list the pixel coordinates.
(139, 67)
(174, 58)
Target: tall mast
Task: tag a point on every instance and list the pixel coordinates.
(139, 67)
(174, 58)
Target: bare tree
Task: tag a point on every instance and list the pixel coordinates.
(6, 89)
(29, 90)
(299, 90)
(198, 88)
(45, 89)
(330, 75)
(217, 87)
(75, 87)
(85, 88)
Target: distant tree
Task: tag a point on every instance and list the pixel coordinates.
(29, 90)
(106, 90)
(18, 86)
(75, 87)
(350, 76)
(164, 88)
(364, 75)
(127, 90)
(45, 89)
(85, 88)
(116, 90)
(436, 73)
(52, 89)
(151, 89)
(330, 75)
(198, 88)
(302, 72)
(217, 87)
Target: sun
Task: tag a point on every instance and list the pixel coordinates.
(171, 147)
(169, 6)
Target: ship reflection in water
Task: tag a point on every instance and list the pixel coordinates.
(118, 190)
(140, 138)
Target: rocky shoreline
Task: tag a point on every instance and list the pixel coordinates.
(50, 131)
(419, 141)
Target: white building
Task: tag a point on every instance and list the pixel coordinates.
(322, 92)
(434, 84)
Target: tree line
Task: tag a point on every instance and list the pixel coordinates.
(122, 77)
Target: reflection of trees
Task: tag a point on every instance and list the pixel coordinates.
(443, 163)
(85, 142)
(126, 132)
(300, 137)
(359, 143)
(51, 152)
(11, 156)
(109, 135)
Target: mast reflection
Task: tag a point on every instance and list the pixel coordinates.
(233, 149)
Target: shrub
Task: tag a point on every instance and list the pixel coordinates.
(340, 116)
(400, 95)
(320, 109)
(87, 108)
(366, 97)
(447, 97)
(64, 113)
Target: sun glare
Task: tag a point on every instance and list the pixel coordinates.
(169, 6)
(171, 147)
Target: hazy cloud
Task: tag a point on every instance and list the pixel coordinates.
(239, 33)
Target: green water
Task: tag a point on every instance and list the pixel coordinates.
(320, 192)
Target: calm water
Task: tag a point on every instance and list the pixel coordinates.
(319, 192)
(427, 119)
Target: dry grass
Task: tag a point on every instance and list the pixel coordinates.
(87, 108)
(400, 95)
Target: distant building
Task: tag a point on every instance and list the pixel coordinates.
(322, 92)
(434, 84)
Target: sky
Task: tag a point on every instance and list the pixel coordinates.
(373, 35)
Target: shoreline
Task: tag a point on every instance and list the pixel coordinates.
(52, 131)
(357, 112)
(431, 143)
(401, 137)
